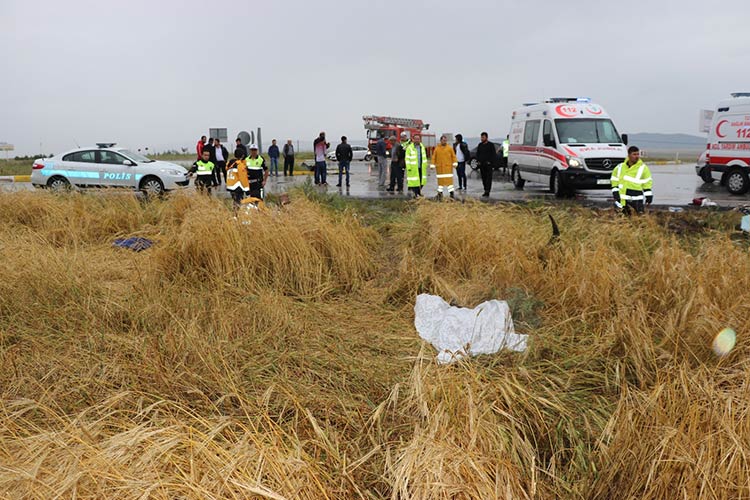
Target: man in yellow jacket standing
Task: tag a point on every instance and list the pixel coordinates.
(416, 165)
(444, 160)
(631, 183)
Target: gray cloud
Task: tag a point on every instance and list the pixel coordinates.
(160, 73)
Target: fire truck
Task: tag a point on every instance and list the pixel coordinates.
(387, 126)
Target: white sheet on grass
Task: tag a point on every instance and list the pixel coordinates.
(457, 331)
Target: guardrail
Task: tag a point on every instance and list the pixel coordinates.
(15, 178)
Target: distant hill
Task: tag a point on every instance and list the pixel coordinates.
(668, 142)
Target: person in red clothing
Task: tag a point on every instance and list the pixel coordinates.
(199, 147)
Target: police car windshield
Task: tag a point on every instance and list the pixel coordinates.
(135, 156)
(586, 131)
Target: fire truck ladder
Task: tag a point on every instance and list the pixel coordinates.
(375, 121)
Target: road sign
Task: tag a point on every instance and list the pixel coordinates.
(4, 146)
(218, 133)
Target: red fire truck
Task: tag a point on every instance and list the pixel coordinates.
(387, 126)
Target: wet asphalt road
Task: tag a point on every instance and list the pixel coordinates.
(674, 185)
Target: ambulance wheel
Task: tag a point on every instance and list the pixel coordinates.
(473, 164)
(737, 181)
(58, 184)
(515, 177)
(151, 186)
(368, 157)
(555, 185)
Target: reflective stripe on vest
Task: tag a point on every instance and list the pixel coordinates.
(204, 168)
(254, 163)
(631, 182)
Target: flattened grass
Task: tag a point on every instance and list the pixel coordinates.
(278, 358)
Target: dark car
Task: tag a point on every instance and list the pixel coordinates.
(498, 159)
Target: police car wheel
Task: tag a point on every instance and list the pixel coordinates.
(737, 181)
(58, 184)
(151, 186)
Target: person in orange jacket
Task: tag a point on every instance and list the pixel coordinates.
(238, 184)
(444, 161)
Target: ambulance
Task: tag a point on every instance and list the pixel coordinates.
(565, 143)
(728, 149)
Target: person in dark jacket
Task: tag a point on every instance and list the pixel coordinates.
(273, 154)
(381, 157)
(486, 159)
(241, 147)
(288, 153)
(344, 156)
(220, 158)
(398, 163)
(462, 156)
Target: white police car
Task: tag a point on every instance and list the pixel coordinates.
(107, 166)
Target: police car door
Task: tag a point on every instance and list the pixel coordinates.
(79, 168)
(114, 170)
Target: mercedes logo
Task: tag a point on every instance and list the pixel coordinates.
(607, 163)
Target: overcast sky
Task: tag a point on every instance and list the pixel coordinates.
(160, 73)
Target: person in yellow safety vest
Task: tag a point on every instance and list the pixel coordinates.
(204, 170)
(237, 180)
(257, 173)
(631, 183)
(444, 161)
(506, 150)
(416, 165)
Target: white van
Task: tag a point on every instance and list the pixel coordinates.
(565, 143)
(728, 155)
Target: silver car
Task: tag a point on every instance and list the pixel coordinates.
(108, 166)
(359, 153)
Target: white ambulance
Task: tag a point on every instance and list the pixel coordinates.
(565, 143)
(728, 154)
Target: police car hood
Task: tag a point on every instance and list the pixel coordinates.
(165, 164)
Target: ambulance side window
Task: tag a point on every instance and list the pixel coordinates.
(531, 133)
(547, 136)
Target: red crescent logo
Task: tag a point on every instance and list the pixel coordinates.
(718, 128)
(566, 110)
(594, 110)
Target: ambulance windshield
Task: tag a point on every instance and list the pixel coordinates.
(586, 131)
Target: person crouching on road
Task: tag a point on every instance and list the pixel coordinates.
(237, 180)
(204, 170)
(631, 183)
(416, 165)
(444, 161)
(257, 173)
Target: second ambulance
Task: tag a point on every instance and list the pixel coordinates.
(728, 153)
(565, 143)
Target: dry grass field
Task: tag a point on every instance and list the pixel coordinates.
(278, 359)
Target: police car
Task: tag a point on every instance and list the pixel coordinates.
(107, 166)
